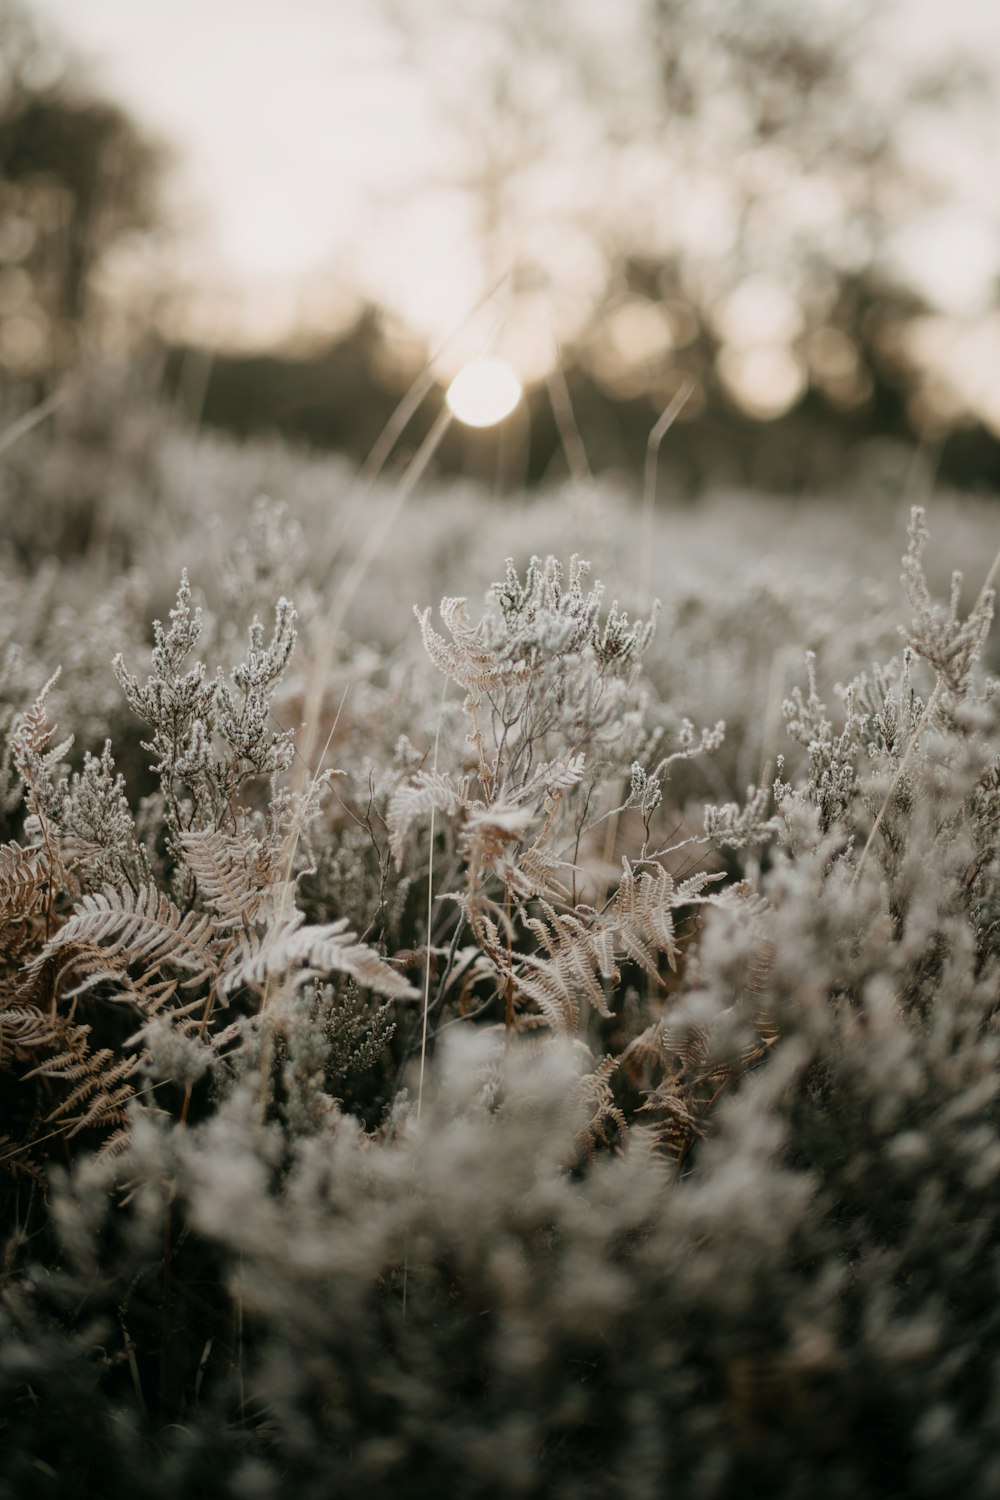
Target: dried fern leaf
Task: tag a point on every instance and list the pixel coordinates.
(104, 1093)
(490, 831)
(644, 1052)
(557, 776)
(145, 929)
(465, 659)
(75, 1061)
(532, 874)
(676, 1126)
(308, 951)
(566, 972)
(31, 743)
(24, 1029)
(603, 1117)
(642, 914)
(23, 873)
(428, 792)
(233, 874)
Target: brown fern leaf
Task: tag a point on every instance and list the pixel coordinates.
(489, 833)
(566, 971)
(116, 1142)
(25, 1030)
(427, 792)
(605, 1122)
(689, 1042)
(33, 736)
(644, 1054)
(233, 874)
(66, 972)
(23, 875)
(484, 930)
(676, 1126)
(642, 913)
(145, 929)
(75, 1061)
(465, 659)
(759, 969)
(88, 967)
(77, 1086)
(101, 1095)
(533, 873)
(307, 951)
(64, 1085)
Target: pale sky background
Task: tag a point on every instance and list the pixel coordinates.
(271, 234)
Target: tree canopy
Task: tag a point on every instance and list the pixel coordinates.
(77, 175)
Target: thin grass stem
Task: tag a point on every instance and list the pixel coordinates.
(660, 428)
(430, 908)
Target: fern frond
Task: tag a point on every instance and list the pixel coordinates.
(465, 659)
(145, 929)
(644, 1053)
(310, 951)
(233, 873)
(75, 1061)
(676, 1126)
(33, 734)
(23, 873)
(148, 994)
(428, 792)
(116, 1143)
(603, 1117)
(24, 1029)
(68, 974)
(642, 913)
(103, 1091)
(555, 776)
(489, 832)
(533, 873)
(557, 981)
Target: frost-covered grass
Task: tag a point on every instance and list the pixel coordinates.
(438, 1057)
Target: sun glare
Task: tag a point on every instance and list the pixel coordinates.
(484, 392)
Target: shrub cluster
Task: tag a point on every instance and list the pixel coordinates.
(452, 1098)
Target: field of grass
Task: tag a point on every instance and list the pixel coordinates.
(465, 1031)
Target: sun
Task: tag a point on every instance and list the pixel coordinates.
(484, 392)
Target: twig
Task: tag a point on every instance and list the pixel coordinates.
(24, 424)
(659, 431)
(569, 431)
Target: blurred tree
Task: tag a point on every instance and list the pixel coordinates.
(709, 189)
(76, 177)
(686, 191)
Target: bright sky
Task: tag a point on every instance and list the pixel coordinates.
(296, 131)
(299, 134)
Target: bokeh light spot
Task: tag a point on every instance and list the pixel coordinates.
(484, 392)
